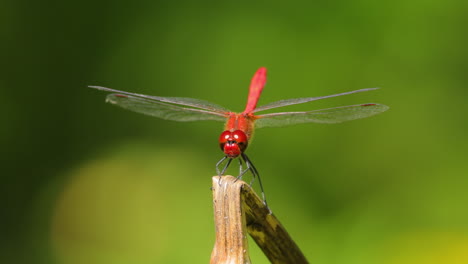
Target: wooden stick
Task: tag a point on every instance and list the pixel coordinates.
(238, 210)
(231, 236)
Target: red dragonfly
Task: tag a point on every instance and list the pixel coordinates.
(239, 127)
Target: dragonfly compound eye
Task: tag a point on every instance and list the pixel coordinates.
(233, 143)
(241, 139)
(224, 138)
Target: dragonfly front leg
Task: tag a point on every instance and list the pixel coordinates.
(220, 173)
(219, 163)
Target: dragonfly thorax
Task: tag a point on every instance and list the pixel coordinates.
(233, 143)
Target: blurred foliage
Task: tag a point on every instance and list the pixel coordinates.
(86, 182)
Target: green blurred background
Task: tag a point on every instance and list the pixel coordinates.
(87, 182)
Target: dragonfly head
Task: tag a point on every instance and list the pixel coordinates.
(233, 143)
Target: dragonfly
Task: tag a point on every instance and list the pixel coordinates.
(239, 127)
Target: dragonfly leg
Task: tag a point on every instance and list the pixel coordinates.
(219, 163)
(255, 174)
(242, 171)
(221, 173)
(226, 166)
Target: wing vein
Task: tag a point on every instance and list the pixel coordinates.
(328, 115)
(294, 101)
(192, 102)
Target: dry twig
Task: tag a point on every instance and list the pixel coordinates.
(239, 210)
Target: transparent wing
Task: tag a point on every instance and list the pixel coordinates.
(192, 102)
(327, 116)
(169, 108)
(163, 110)
(304, 100)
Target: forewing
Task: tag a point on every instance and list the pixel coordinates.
(327, 116)
(192, 102)
(294, 101)
(163, 110)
